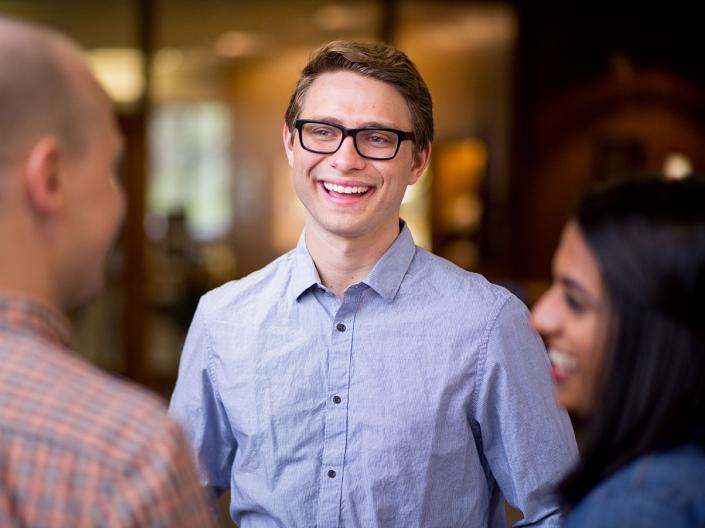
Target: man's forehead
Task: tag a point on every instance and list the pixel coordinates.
(355, 100)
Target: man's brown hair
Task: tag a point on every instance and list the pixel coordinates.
(379, 61)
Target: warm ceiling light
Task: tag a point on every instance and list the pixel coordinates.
(677, 166)
(119, 71)
(340, 17)
(237, 44)
(168, 60)
(333, 17)
(481, 27)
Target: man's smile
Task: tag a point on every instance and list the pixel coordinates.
(345, 189)
(345, 193)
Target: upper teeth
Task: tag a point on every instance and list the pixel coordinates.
(344, 189)
(563, 362)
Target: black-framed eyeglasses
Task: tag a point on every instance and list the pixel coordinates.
(370, 142)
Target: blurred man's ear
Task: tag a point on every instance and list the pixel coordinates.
(41, 176)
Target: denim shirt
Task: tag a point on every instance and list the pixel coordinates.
(661, 490)
(415, 401)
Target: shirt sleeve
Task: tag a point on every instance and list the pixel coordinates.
(197, 405)
(526, 439)
(160, 487)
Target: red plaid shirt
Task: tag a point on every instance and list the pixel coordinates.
(79, 448)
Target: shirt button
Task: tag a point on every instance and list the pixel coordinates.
(336, 399)
(331, 473)
(340, 327)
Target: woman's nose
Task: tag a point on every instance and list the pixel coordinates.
(545, 316)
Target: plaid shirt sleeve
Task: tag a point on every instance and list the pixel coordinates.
(161, 489)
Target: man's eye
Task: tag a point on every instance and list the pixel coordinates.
(323, 132)
(377, 138)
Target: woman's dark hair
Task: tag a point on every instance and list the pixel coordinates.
(648, 236)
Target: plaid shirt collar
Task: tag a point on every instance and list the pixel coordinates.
(26, 315)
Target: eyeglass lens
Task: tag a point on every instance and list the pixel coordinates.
(326, 139)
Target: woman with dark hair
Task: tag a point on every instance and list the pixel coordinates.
(624, 323)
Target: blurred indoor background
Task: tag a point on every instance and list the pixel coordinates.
(533, 101)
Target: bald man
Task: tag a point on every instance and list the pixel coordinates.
(78, 448)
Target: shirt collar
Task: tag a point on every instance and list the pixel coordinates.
(31, 316)
(387, 275)
(385, 278)
(305, 275)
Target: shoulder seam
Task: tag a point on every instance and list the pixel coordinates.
(209, 360)
(484, 344)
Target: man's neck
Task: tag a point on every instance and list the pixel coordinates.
(344, 261)
(26, 266)
(21, 285)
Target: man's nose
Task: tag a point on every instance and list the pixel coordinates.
(346, 157)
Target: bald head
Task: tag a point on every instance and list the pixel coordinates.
(40, 89)
(60, 201)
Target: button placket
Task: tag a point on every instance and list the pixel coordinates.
(335, 443)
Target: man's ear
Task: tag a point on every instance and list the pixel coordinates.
(288, 139)
(419, 164)
(41, 176)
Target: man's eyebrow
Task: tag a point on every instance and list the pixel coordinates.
(325, 119)
(367, 124)
(377, 124)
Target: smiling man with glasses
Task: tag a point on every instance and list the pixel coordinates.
(359, 380)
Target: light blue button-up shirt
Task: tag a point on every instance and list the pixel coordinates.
(416, 401)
